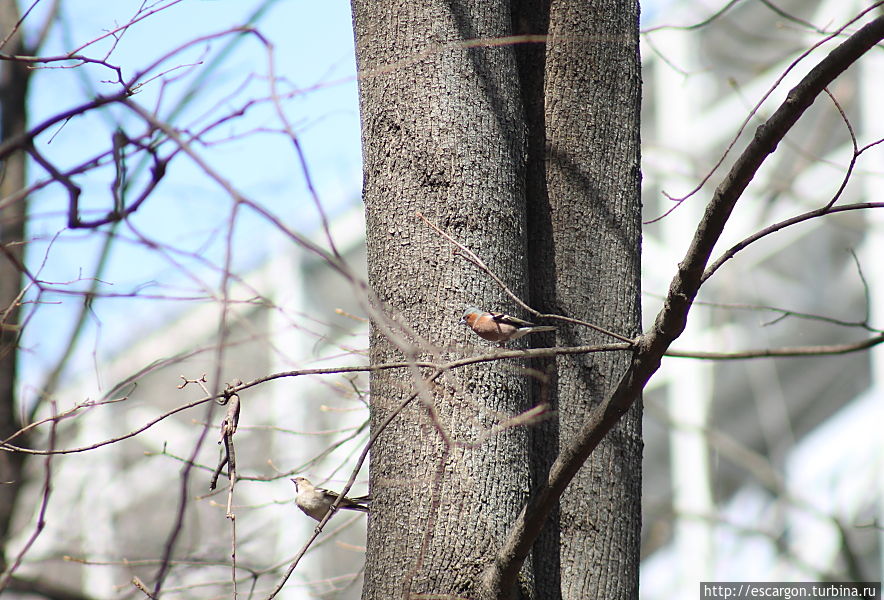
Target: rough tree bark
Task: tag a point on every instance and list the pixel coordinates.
(540, 179)
(584, 244)
(442, 134)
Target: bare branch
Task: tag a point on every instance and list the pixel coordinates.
(183, 498)
(359, 462)
(139, 585)
(296, 144)
(472, 257)
(78, 58)
(14, 29)
(783, 313)
(500, 578)
(454, 364)
(139, 16)
(41, 516)
(812, 214)
(824, 350)
(698, 25)
(677, 201)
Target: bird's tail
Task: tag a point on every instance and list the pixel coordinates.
(540, 328)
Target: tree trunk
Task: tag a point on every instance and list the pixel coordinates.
(584, 246)
(13, 121)
(556, 214)
(443, 134)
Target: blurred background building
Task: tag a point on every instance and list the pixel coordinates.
(291, 313)
(764, 469)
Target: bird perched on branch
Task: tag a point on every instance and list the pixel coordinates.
(498, 327)
(315, 501)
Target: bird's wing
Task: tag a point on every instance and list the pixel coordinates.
(327, 494)
(354, 503)
(509, 320)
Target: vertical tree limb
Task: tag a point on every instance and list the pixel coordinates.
(672, 319)
(14, 77)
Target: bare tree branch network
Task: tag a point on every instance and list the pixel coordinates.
(245, 243)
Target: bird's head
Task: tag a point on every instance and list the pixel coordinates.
(469, 314)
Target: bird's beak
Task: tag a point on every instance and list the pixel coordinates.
(296, 484)
(463, 320)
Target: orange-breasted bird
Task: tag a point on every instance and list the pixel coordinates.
(498, 327)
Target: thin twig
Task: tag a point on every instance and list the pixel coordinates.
(787, 352)
(501, 576)
(296, 144)
(455, 364)
(812, 214)
(677, 201)
(17, 25)
(44, 502)
(359, 462)
(474, 258)
(183, 498)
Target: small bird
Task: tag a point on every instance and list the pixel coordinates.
(498, 327)
(315, 501)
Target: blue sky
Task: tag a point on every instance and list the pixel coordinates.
(187, 215)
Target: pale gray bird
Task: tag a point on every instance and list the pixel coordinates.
(315, 501)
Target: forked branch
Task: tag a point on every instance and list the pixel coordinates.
(500, 578)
